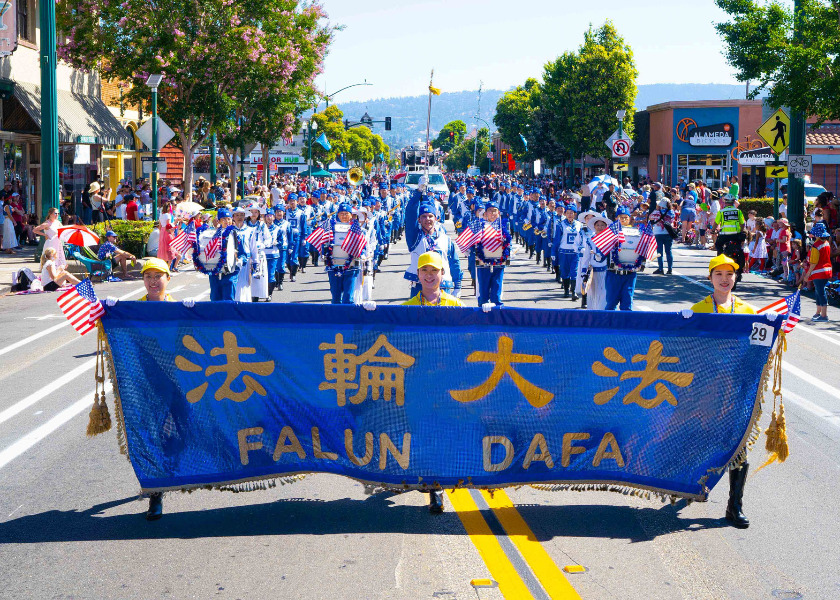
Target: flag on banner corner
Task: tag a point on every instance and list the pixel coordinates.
(789, 306)
(355, 241)
(81, 307)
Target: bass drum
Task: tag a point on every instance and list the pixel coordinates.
(208, 240)
(230, 256)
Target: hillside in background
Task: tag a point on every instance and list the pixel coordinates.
(409, 113)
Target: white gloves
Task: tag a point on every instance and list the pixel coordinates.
(487, 307)
(111, 301)
(188, 302)
(771, 316)
(369, 305)
(687, 313)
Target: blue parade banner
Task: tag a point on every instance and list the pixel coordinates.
(226, 393)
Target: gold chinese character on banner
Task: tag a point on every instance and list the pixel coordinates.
(502, 360)
(378, 376)
(233, 367)
(650, 375)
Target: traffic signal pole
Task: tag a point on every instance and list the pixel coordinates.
(796, 185)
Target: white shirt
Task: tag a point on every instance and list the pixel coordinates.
(121, 208)
(45, 272)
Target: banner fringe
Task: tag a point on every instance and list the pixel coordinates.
(99, 419)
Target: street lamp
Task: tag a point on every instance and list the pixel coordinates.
(327, 97)
(153, 82)
(311, 125)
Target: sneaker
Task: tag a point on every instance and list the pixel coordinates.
(668, 272)
(659, 272)
(816, 318)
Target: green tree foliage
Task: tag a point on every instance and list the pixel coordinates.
(759, 44)
(358, 144)
(221, 60)
(515, 115)
(445, 141)
(461, 156)
(583, 90)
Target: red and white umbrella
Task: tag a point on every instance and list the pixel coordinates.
(78, 235)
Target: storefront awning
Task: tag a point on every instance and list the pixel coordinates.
(81, 119)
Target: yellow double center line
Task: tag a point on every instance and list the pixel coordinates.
(529, 574)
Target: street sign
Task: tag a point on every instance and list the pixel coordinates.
(779, 171)
(148, 161)
(621, 167)
(621, 148)
(614, 137)
(164, 133)
(776, 131)
(800, 164)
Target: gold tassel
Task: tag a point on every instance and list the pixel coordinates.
(99, 419)
(777, 440)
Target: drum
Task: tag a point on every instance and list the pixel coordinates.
(339, 255)
(211, 246)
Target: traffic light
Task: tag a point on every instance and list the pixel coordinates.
(387, 123)
(504, 156)
(451, 136)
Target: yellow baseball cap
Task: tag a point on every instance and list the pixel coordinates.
(155, 264)
(720, 261)
(432, 259)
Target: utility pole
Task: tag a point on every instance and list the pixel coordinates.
(49, 111)
(796, 185)
(478, 114)
(213, 159)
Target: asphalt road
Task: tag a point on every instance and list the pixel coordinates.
(72, 526)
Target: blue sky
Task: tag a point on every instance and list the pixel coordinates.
(395, 44)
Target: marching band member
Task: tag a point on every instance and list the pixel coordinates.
(247, 258)
(304, 215)
(272, 251)
(293, 215)
(566, 238)
(492, 253)
(261, 239)
(223, 280)
(625, 263)
(367, 259)
(430, 236)
(593, 265)
(342, 267)
(540, 230)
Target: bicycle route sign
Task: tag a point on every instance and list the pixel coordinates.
(800, 164)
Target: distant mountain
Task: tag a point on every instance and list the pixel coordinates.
(408, 113)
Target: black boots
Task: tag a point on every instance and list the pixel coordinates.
(573, 284)
(293, 268)
(734, 509)
(313, 254)
(435, 502)
(539, 257)
(583, 300)
(303, 261)
(566, 283)
(155, 511)
(557, 274)
(280, 277)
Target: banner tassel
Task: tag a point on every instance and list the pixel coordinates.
(99, 419)
(777, 439)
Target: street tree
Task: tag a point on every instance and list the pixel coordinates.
(583, 90)
(216, 56)
(450, 136)
(461, 156)
(804, 74)
(515, 115)
(331, 123)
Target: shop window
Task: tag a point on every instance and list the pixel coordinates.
(26, 30)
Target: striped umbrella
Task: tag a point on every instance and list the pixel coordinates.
(78, 235)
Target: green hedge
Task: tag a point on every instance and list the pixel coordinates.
(131, 235)
(763, 207)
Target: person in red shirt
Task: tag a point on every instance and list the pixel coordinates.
(131, 208)
(819, 270)
(783, 246)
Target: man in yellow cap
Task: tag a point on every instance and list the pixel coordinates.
(722, 274)
(156, 276)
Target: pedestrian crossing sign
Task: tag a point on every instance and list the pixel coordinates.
(776, 171)
(776, 131)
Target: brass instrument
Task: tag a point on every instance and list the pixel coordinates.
(355, 176)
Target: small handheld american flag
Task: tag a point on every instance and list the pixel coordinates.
(609, 238)
(355, 241)
(184, 239)
(647, 243)
(80, 306)
(491, 238)
(790, 306)
(213, 246)
(319, 237)
(468, 237)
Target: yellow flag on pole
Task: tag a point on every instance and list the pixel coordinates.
(434, 90)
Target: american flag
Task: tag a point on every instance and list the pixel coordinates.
(320, 236)
(609, 238)
(790, 306)
(80, 306)
(647, 244)
(213, 246)
(355, 241)
(491, 238)
(469, 237)
(185, 239)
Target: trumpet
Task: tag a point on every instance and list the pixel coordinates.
(355, 176)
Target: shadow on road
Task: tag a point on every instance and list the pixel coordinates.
(299, 516)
